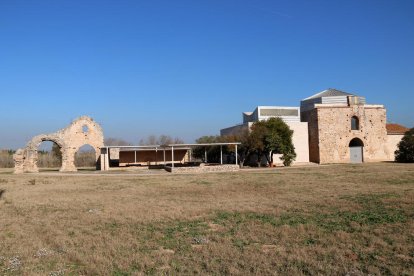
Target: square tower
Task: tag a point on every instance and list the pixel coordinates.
(343, 128)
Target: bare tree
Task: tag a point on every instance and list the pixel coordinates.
(116, 142)
(6, 159)
(150, 140)
(161, 140)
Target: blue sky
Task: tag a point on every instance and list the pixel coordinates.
(189, 68)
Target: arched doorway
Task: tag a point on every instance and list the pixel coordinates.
(356, 151)
(86, 158)
(49, 155)
(43, 147)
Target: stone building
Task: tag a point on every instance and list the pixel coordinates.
(344, 129)
(333, 127)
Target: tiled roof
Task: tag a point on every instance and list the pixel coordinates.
(330, 92)
(396, 129)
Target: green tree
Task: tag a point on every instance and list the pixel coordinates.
(213, 152)
(257, 140)
(250, 143)
(247, 146)
(405, 151)
(273, 136)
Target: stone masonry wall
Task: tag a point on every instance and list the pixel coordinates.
(204, 169)
(82, 131)
(334, 130)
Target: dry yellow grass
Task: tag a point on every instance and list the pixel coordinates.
(336, 220)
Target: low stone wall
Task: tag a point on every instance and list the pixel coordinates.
(203, 169)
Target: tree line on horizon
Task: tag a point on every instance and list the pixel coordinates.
(50, 159)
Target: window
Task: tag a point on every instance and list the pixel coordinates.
(85, 129)
(354, 123)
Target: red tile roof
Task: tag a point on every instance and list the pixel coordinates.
(396, 129)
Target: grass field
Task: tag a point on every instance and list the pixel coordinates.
(331, 220)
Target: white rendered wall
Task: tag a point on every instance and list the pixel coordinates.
(300, 142)
(392, 145)
(234, 130)
(299, 139)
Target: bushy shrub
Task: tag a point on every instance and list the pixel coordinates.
(288, 158)
(405, 151)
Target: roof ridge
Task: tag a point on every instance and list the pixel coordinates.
(330, 92)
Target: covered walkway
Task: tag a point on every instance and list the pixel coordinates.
(159, 154)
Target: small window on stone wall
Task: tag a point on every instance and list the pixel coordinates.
(354, 123)
(85, 129)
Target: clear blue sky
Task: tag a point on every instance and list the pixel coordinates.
(189, 68)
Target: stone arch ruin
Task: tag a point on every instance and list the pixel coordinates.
(82, 131)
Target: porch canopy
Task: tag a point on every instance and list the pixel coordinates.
(105, 151)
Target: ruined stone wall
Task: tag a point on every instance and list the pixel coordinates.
(335, 134)
(82, 131)
(311, 117)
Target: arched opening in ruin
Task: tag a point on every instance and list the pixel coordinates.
(49, 155)
(356, 150)
(86, 158)
(70, 139)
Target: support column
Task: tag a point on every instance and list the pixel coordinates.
(172, 157)
(236, 155)
(205, 154)
(68, 161)
(107, 159)
(221, 155)
(164, 157)
(104, 159)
